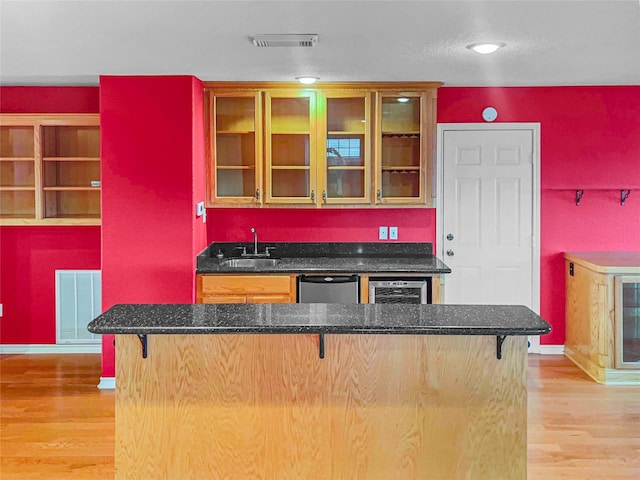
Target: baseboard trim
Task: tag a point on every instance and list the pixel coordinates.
(38, 349)
(107, 383)
(552, 349)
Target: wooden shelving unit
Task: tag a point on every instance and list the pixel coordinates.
(50, 169)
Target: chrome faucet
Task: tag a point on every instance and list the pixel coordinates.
(255, 241)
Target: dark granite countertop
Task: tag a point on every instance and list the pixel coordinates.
(300, 318)
(411, 258)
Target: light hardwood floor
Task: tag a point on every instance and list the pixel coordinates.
(55, 423)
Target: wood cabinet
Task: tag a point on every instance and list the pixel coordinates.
(330, 146)
(290, 147)
(603, 315)
(344, 147)
(49, 169)
(403, 143)
(236, 145)
(247, 288)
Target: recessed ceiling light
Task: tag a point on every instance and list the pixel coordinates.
(485, 47)
(307, 80)
(403, 99)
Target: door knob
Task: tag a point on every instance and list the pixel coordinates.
(450, 253)
(449, 236)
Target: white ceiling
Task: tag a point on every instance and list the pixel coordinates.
(573, 42)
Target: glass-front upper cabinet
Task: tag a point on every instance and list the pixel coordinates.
(344, 145)
(290, 146)
(236, 147)
(627, 312)
(400, 174)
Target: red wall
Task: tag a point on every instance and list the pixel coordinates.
(49, 99)
(29, 256)
(304, 225)
(590, 138)
(199, 168)
(152, 145)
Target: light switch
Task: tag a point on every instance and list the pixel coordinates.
(383, 235)
(200, 210)
(393, 233)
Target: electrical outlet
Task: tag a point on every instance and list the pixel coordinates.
(383, 235)
(393, 233)
(0, 309)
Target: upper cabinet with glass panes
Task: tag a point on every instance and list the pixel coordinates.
(345, 147)
(336, 145)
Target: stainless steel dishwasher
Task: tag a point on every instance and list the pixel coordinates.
(328, 289)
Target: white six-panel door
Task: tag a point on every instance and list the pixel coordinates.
(488, 209)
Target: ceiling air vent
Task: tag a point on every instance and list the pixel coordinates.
(292, 40)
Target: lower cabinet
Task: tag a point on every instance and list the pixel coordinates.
(246, 288)
(603, 318)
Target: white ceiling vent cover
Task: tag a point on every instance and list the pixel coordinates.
(287, 40)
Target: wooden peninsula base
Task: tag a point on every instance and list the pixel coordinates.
(265, 406)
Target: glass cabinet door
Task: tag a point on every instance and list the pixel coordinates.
(290, 147)
(236, 148)
(627, 313)
(344, 147)
(400, 148)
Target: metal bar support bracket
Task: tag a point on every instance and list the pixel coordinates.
(143, 341)
(499, 341)
(321, 344)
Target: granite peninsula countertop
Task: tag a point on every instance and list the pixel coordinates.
(305, 318)
(379, 258)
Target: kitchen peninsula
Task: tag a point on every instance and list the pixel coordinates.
(320, 391)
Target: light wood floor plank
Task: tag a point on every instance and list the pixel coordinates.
(55, 423)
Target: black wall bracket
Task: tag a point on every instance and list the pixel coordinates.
(624, 194)
(143, 341)
(321, 344)
(499, 341)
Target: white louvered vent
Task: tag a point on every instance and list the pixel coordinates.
(287, 40)
(78, 301)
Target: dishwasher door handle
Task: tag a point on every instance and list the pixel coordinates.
(328, 279)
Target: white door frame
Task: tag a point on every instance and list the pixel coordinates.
(438, 187)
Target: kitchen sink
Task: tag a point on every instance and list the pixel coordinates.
(250, 262)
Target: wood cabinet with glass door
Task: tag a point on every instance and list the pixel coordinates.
(290, 147)
(402, 143)
(236, 148)
(50, 169)
(627, 322)
(344, 147)
(603, 315)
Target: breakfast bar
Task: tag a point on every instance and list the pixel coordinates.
(320, 391)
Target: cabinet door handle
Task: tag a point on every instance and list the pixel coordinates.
(324, 196)
(379, 194)
(313, 195)
(257, 194)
